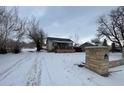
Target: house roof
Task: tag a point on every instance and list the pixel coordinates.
(86, 44)
(59, 39)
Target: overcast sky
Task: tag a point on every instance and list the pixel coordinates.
(66, 22)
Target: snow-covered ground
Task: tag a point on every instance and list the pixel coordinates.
(31, 68)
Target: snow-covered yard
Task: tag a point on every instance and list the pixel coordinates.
(31, 68)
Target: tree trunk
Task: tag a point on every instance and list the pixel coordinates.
(38, 47)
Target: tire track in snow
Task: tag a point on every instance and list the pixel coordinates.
(34, 75)
(15, 66)
(48, 73)
(46, 78)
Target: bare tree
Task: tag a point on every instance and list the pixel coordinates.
(76, 41)
(112, 26)
(19, 31)
(11, 27)
(36, 33)
(6, 26)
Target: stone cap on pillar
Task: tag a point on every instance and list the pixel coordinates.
(97, 53)
(96, 47)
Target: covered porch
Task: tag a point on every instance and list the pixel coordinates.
(63, 47)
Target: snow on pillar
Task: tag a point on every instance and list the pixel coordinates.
(97, 59)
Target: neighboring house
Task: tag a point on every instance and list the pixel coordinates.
(77, 49)
(86, 44)
(59, 44)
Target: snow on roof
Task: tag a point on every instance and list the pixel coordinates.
(62, 41)
(97, 47)
(59, 39)
(86, 44)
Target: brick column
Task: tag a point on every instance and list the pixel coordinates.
(97, 59)
(123, 53)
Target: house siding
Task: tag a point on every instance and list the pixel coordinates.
(50, 45)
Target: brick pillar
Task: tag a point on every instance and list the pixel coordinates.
(97, 59)
(123, 53)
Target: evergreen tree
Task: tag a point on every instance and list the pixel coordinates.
(113, 47)
(105, 43)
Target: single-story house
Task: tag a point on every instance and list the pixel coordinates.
(59, 44)
(86, 44)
